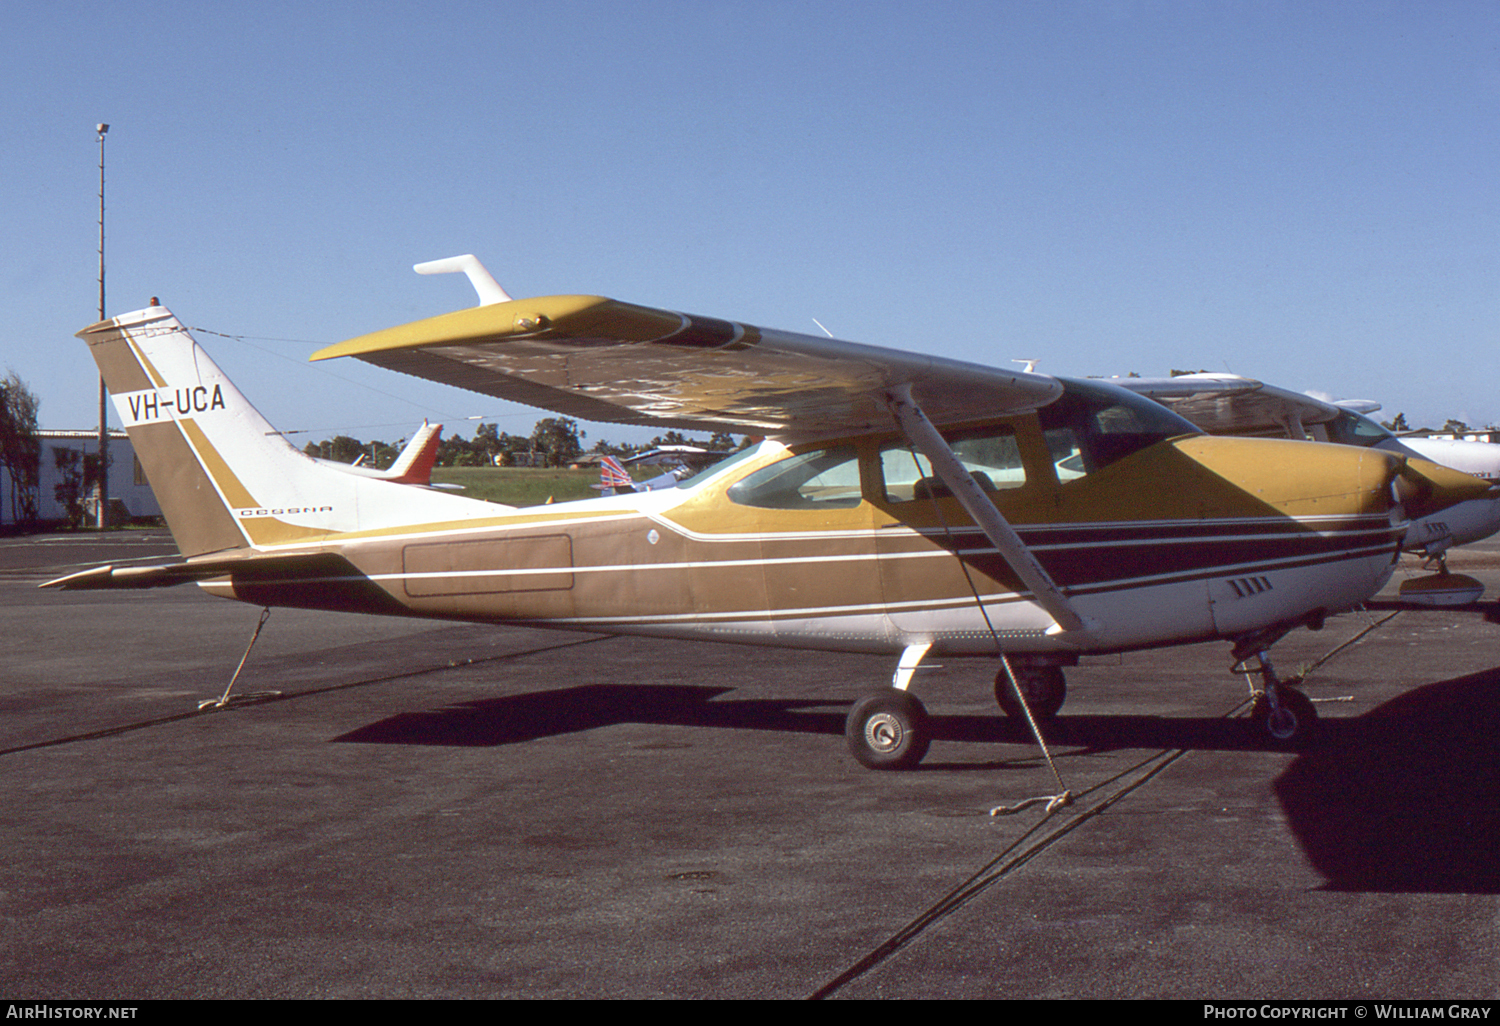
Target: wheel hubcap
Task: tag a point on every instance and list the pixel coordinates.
(883, 732)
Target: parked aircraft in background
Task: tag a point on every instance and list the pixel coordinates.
(613, 477)
(413, 466)
(1230, 404)
(903, 503)
(684, 461)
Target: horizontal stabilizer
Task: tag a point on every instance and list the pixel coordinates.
(254, 567)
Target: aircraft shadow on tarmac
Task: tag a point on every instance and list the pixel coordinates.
(515, 719)
(1404, 798)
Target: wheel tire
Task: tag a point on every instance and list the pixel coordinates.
(1045, 688)
(888, 731)
(1295, 725)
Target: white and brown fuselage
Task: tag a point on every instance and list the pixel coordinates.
(1171, 538)
(1251, 545)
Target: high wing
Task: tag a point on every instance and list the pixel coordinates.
(603, 360)
(1230, 404)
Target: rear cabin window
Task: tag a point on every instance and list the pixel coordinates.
(821, 479)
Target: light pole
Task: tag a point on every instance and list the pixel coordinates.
(101, 484)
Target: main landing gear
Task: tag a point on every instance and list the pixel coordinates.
(890, 731)
(1042, 684)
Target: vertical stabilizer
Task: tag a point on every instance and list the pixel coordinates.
(414, 465)
(224, 477)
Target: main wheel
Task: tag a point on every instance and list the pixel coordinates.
(1295, 724)
(1045, 689)
(888, 731)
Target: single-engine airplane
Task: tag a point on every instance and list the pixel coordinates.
(1230, 404)
(902, 503)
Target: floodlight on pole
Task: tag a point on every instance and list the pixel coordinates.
(101, 484)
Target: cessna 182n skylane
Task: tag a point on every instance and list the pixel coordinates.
(1233, 405)
(903, 503)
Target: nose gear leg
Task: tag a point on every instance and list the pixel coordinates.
(1286, 713)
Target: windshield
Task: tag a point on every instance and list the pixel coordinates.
(1350, 428)
(1095, 424)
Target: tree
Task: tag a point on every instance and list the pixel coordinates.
(557, 437)
(20, 446)
(1398, 425)
(670, 438)
(495, 444)
(604, 447)
(77, 475)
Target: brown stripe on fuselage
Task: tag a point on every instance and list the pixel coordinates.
(617, 571)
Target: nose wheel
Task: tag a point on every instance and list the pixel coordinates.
(1290, 720)
(1286, 714)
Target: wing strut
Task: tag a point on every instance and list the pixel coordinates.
(946, 465)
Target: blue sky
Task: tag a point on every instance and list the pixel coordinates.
(1304, 192)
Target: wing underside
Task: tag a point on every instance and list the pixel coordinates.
(602, 360)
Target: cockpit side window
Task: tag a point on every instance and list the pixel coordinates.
(991, 454)
(1093, 425)
(819, 479)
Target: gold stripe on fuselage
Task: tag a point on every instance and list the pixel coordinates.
(645, 567)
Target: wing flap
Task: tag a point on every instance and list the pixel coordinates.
(603, 360)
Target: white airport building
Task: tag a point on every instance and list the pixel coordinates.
(130, 496)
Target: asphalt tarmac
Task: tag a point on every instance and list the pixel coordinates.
(410, 809)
